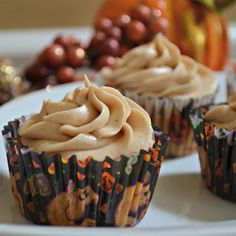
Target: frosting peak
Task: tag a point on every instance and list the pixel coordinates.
(158, 69)
(223, 116)
(89, 121)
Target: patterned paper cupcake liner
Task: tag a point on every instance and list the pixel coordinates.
(217, 154)
(172, 117)
(57, 191)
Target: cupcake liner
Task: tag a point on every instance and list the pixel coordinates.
(172, 117)
(58, 191)
(217, 154)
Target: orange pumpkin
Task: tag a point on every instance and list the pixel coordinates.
(198, 30)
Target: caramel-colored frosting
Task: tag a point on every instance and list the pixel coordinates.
(89, 121)
(157, 69)
(223, 116)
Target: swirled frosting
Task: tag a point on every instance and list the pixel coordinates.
(157, 69)
(223, 116)
(89, 121)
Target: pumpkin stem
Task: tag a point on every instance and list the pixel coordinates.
(217, 5)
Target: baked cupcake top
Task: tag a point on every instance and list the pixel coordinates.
(223, 116)
(89, 121)
(158, 69)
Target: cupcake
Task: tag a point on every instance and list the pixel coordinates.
(167, 85)
(91, 159)
(215, 134)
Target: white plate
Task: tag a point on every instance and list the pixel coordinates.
(181, 204)
(180, 200)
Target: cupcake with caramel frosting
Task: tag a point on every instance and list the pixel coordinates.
(166, 84)
(215, 134)
(83, 160)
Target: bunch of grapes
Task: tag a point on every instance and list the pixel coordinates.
(60, 59)
(113, 38)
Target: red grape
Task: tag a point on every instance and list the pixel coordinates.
(114, 32)
(36, 73)
(53, 56)
(103, 24)
(75, 56)
(65, 74)
(136, 31)
(141, 13)
(109, 47)
(105, 60)
(66, 41)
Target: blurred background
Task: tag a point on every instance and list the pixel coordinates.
(56, 13)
